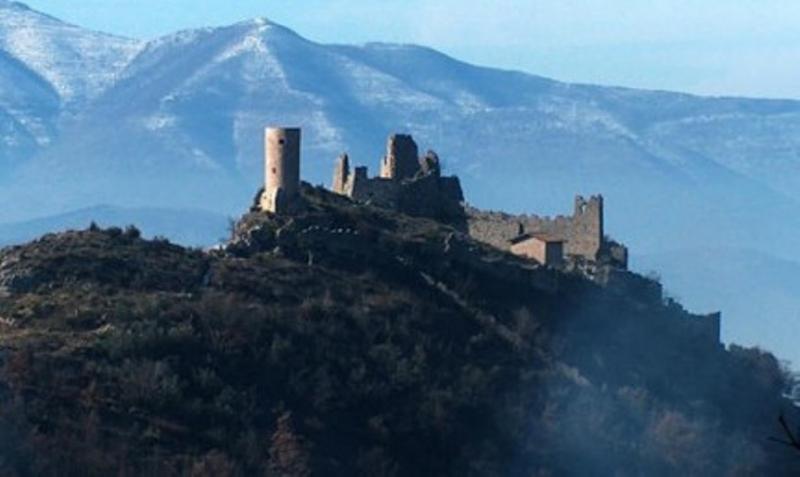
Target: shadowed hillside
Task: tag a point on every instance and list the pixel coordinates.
(348, 340)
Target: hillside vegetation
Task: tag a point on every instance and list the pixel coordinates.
(346, 340)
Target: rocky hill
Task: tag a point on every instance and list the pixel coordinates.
(348, 340)
(175, 122)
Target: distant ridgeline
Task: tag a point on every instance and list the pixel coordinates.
(414, 185)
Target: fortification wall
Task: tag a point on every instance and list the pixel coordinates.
(407, 183)
(431, 196)
(375, 191)
(707, 328)
(586, 231)
(498, 228)
(402, 158)
(582, 232)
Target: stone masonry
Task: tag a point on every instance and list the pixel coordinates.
(540, 247)
(282, 169)
(582, 233)
(402, 158)
(407, 183)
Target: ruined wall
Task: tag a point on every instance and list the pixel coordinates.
(402, 158)
(341, 174)
(582, 232)
(282, 168)
(431, 196)
(707, 327)
(586, 232)
(377, 191)
(498, 228)
(407, 183)
(630, 284)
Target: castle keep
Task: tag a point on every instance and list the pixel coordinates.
(407, 183)
(282, 168)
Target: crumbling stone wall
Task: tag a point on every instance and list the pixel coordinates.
(586, 231)
(341, 174)
(432, 196)
(402, 158)
(631, 284)
(707, 327)
(499, 228)
(703, 328)
(407, 183)
(376, 191)
(582, 233)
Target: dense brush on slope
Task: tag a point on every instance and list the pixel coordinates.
(348, 341)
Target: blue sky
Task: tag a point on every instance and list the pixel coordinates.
(718, 47)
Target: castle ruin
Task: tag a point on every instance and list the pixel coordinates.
(406, 183)
(415, 186)
(582, 233)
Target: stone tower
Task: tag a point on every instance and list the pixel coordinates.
(282, 171)
(587, 235)
(401, 160)
(341, 174)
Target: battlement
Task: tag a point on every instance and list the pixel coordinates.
(583, 232)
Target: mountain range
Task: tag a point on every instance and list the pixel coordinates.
(175, 123)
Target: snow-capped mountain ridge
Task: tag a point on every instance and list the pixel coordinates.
(79, 63)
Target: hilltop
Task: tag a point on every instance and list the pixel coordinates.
(161, 120)
(346, 339)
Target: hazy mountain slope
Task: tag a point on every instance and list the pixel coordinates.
(184, 124)
(29, 108)
(192, 105)
(758, 293)
(187, 227)
(78, 63)
(762, 147)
